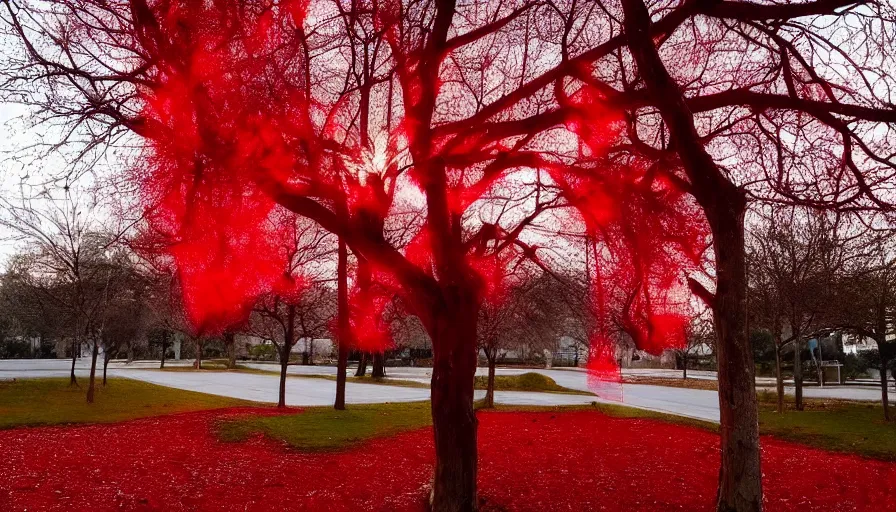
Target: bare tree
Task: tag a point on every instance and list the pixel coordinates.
(795, 258)
(712, 108)
(72, 249)
(865, 301)
(698, 336)
(302, 308)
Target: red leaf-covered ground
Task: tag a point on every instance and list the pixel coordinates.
(529, 462)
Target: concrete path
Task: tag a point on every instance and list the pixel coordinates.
(264, 388)
(694, 403)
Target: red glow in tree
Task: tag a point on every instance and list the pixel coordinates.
(239, 124)
(332, 110)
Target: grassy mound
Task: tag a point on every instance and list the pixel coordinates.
(326, 429)
(530, 381)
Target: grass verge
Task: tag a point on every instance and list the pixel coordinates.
(218, 367)
(704, 384)
(32, 402)
(836, 425)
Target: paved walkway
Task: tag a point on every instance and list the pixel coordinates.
(694, 403)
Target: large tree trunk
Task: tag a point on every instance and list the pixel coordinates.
(379, 365)
(684, 373)
(798, 372)
(454, 421)
(284, 363)
(344, 326)
(490, 387)
(362, 365)
(92, 387)
(779, 378)
(740, 477)
(885, 398)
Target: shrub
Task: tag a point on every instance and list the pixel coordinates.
(267, 352)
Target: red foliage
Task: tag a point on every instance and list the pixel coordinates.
(229, 130)
(207, 147)
(569, 461)
(648, 235)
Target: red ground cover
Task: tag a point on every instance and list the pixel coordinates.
(529, 462)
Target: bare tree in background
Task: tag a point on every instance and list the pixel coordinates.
(699, 333)
(72, 249)
(795, 257)
(865, 301)
(307, 311)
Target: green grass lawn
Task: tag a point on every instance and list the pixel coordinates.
(325, 429)
(850, 427)
(30, 402)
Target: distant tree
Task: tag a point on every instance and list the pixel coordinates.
(127, 316)
(303, 306)
(65, 230)
(865, 301)
(794, 258)
(29, 301)
(527, 317)
(699, 333)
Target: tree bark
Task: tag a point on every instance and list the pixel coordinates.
(230, 346)
(798, 371)
(684, 357)
(284, 362)
(75, 346)
(106, 356)
(490, 387)
(779, 378)
(740, 476)
(454, 421)
(379, 365)
(91, 387)
(362, 365)
(197, 364)
(289, 335)
(164, 348)
(344, 326)
(885, 398)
